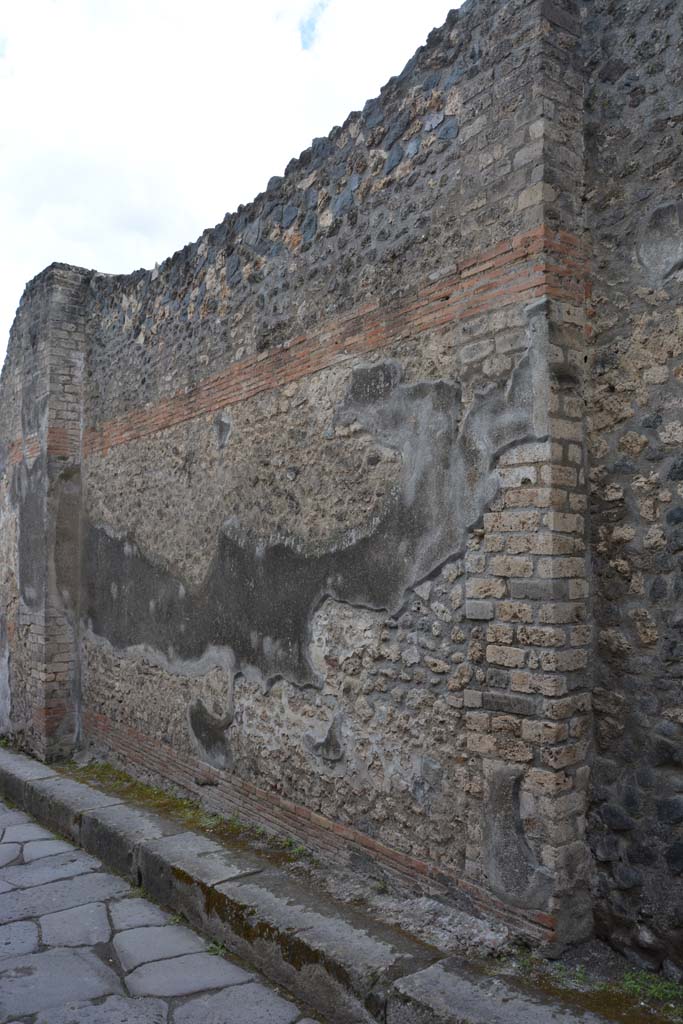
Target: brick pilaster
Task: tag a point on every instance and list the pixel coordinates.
(55, 446)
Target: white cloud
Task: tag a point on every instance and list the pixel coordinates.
(128, 126)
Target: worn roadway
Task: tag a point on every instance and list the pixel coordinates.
(79, 946)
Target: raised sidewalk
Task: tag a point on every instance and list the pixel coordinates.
(351, 968)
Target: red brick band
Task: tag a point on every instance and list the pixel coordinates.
(62, 442)
(538, 263)
(531, 265)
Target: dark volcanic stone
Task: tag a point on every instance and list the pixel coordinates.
(674, 857)
(393, 159)
(626, 877)
(670, 811)
(616, 818)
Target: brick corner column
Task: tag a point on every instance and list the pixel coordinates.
(52, 458)
(529, 719)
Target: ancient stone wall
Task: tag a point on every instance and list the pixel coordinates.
(634, 179)
(308, 504)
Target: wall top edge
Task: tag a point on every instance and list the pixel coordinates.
(445, 49)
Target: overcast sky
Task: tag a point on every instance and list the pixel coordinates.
(129, 126)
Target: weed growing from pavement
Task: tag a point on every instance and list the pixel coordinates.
(635, 997)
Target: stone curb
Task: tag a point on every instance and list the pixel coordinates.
(352, 969)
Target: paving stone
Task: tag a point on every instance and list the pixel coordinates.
(50, 869)
(114, 1010)
(81, 926)
(184, 975)
(8, 853)
(9, 816)
(136, 913)
(5, 887)
(24, 833)
(45, 848)
(18, 938)
(36, 982)
(143, 945)
(241, 1004)
(71, 892)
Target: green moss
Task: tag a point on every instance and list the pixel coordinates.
(230, 831)
(637, 997)
(653, 988)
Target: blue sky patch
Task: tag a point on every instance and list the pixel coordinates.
(309, 24)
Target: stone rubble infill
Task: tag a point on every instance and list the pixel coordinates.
(336, 958)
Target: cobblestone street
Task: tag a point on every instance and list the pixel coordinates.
(79, 946)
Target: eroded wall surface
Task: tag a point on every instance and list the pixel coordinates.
(302, 520)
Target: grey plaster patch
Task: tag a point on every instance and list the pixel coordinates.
(331, 747)
(114, 1010)
(37, 982)
(222, 425)
(8, 853)
(510, 865)
(136, 913)
(50, 869)
(144, 945)
(71, 892)
(184, 975)
(267, 592)
(246, 1004)
(18, 938)
(210, 732)
(81, 926)
(660, 248)
(45, 848)
(28, 493)
(5, 693)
